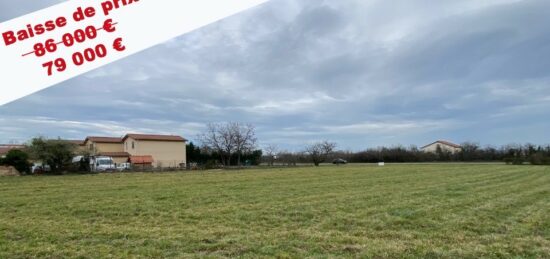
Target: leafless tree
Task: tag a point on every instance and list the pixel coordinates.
(319, 152)
(271, 153)
(288, 158)
(216, 139)
(228, 139)
(244, 138)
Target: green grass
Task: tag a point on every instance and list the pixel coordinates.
(424, 211)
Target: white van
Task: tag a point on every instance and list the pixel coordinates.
(102, 164)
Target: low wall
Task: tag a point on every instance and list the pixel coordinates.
(8, 171)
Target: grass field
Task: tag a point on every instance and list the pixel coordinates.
(439, 211)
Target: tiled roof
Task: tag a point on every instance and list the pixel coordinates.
(103, 140)
(443, 142)
(141, 160)
(115, 154)
(149, 137)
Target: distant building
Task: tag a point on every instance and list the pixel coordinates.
(141, 149)
(107, 146)
(443, 145)
(5, 148)
(160, 150)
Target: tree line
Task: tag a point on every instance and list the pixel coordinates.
(55, 153)
(236, 144)
(225, 144)
(470, 152)
(229, 144)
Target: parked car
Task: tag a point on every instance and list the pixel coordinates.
(123, 167)
(339, 161)
(40, 168)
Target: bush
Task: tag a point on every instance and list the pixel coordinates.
(211, 164)
(55, 153)
(19, 160)
(539, 159)
(518, 160)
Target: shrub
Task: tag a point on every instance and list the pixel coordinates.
(19, 160)
(55, 153)
(539, 159)
(518, 160)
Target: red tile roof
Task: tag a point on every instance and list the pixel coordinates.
(141, 160)
(103, 140)
(443, 142)
(115, 154)
(148, 137)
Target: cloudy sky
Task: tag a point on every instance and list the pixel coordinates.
(362, 73)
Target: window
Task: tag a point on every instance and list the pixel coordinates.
(133, 145)
(91, 146)
(104, 162)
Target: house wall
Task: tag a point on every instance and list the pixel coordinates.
(81, 149)
(120, 160)
(103, 147)
(164, 153)
(433, 148)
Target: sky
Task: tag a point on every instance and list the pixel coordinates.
(361, 73)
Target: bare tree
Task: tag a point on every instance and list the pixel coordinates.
(216, 139)
(288, 158)
(319, 152)
(271, 153)
(228, 139)
(244, 138)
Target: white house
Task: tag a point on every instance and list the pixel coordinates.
(443, 145)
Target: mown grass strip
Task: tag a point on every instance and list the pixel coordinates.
(422, 211)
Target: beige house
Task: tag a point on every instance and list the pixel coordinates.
(106, 146)
(161, 150)
(443, 145)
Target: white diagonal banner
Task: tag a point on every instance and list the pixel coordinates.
(52, 45)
